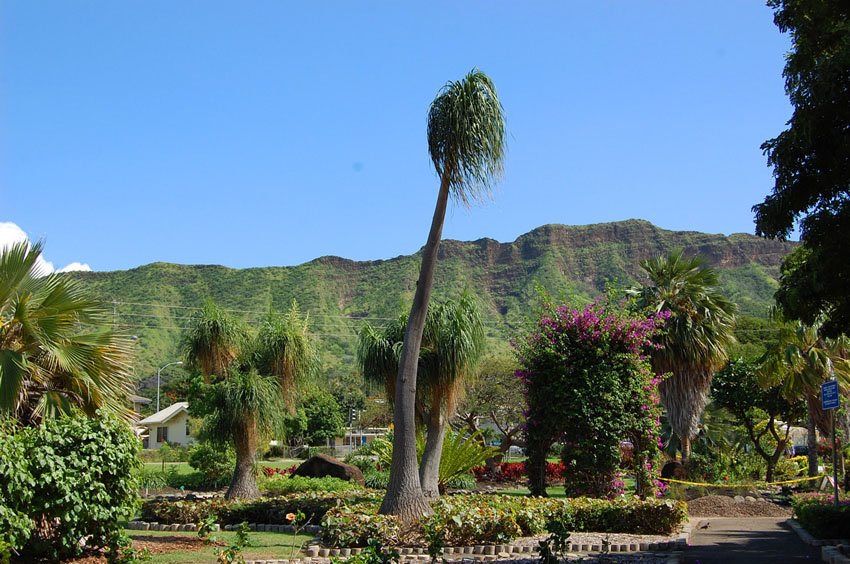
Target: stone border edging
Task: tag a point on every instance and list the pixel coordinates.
(807, 537)
(484, 552)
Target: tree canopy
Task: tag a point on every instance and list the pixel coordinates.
(811, 162)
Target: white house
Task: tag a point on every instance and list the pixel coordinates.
(171, 425)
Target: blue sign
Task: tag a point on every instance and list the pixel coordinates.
(829, 395)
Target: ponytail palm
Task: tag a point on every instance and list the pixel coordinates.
(466, 141)
(57, 351)
(214, 342)
(695, 339)
(285, 350)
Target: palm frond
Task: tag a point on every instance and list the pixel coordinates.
(466, 136)
(214, 342)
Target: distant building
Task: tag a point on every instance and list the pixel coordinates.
(171, 425)
(355, 438)
(139, 403)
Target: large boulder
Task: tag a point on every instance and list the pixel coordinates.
(323, 465)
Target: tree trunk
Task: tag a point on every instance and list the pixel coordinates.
(404, 492)
(812, 440)
(429, 469)
(686, 448)
(244, 483)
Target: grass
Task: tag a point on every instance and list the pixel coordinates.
(263, 546)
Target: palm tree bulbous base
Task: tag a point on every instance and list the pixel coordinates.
(243, 486)
(409, 508)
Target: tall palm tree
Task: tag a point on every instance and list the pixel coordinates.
(695, 337)
(466, 141)
(57, 350)
(214, 342)
(285, 349)
(240, 410)
(800, 361)
(452, 345)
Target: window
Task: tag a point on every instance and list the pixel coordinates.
(187, 427)
(162, 434)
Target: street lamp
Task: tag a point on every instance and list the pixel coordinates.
(158, 372)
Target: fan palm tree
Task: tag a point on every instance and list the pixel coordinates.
(57, 350)
(695, 337)
(214, 342)
(466, 141)
(240, 410)
(285, 349)
(452, 345)
(800, 361)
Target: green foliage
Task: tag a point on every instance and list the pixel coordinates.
(214, 461)
(278, 485)
(736, 388)
(214, 342)
(588, 387)
(465, 520)
(16, 490)
(57, 351)
(818, 514)
(374, 553)
(233, 553)
(809, 161)
(461, 453)
(74, 477)
(324, 418)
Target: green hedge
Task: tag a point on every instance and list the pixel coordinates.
(463, 520)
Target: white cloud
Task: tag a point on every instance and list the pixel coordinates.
(10, 234)
(75, 267)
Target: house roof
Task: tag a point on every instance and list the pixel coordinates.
(164, 415)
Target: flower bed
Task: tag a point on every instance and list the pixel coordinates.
(514, 472)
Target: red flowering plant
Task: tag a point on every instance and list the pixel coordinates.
(589, 387)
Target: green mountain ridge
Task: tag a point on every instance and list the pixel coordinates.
(156, 301)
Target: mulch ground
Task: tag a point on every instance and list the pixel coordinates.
(726, 506)
(155, 545)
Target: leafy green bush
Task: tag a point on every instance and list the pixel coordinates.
(463, 520)
(282, 485)
(16, 490)
(462, 482)
(377, 479)
(623, 515)
(76, 479)
(169, 512)
(818, 514)
(354, 525)
(364, 463)
(215, 462)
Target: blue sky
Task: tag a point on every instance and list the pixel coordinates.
(271, 133)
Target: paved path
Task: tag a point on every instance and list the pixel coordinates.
(729, 540)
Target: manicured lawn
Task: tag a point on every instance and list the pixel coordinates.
(263, 546)
(558, 491)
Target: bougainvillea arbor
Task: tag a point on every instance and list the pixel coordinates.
(589, 387)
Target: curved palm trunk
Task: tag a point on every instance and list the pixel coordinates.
(429, 470)
(684, 395)
(244, 483)
(404, 492)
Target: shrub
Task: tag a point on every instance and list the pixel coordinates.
(355, 525)
(215, 462)
(516, 472)
(268, 471)
(377, 479)
(462, 482)
(16, 490)
(283, 485)
(622, 515)
(83, 481)
(818, 514)
(169, 512)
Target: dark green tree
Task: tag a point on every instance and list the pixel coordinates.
(466, 141)
(324, 418)
(737, 389)
(811, 163)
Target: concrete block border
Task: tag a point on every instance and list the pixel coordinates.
(315, 554)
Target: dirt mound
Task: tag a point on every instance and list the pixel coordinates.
(725, 506)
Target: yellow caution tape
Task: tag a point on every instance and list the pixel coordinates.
(755, 485)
